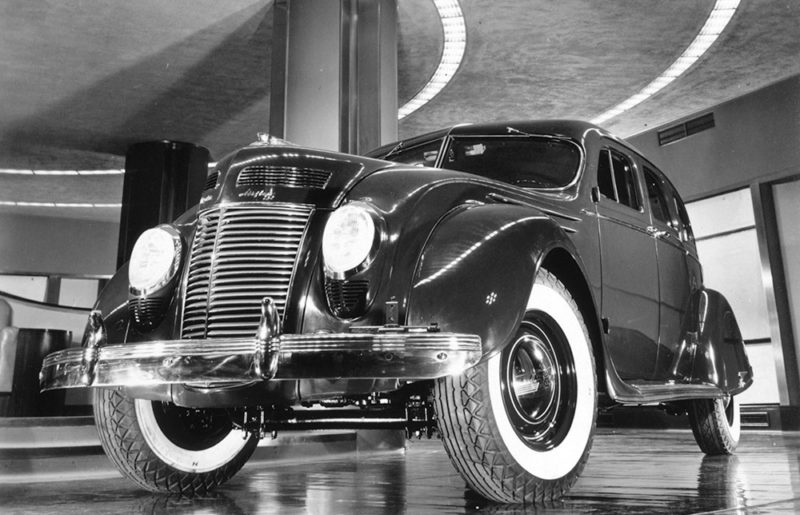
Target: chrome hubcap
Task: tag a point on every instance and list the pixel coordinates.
(539, 383)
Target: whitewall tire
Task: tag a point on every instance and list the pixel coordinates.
(169, 449)
(519, 426)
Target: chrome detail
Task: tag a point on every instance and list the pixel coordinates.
(398, 352)
(381, 235)
(212, 181)
(96, 337)
(267, 140)
(286, 176)
(268, 342)
(346, 298)
(240, 254)
(177, 244)
(655, 232)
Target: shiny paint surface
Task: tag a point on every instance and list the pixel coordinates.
(622, 476)
(461, 251)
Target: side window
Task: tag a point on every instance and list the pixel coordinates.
(617, 180)
(421, 155)
(658, 200)
(604, 178)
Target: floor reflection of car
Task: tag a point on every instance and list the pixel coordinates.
(496, 283)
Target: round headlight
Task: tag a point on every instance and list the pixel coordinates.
(154, 260)
(349, 238)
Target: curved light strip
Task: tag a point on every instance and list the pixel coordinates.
(59, 204)
(455, 44)
(17, 171)
(716, 22)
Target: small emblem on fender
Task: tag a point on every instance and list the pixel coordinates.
(491, 298)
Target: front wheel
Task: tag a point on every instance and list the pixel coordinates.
(519, 426)
(716, 424)
(168, 449)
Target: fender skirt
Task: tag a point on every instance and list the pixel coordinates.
(712, 351)
(477, 269)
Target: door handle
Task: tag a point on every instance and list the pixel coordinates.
(655, 232)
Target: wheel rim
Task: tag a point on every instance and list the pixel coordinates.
(539, 383)
(192, 429)
(195, 441)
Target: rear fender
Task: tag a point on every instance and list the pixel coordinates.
(476, 271)
(712, 350)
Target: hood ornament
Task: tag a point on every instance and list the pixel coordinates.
(265, 139)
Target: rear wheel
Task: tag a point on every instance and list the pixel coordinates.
(165, 448)
(519, 426)
(716, 424)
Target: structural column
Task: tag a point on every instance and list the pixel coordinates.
(334, 73)
(162, 180)
(787, 364)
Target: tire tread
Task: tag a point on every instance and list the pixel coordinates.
(119, 433)
(467, 429)
(710, 427)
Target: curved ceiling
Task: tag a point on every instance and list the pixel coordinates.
(83, 80)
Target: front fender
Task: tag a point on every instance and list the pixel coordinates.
(476, 271)
(113, 305)
(713, 351)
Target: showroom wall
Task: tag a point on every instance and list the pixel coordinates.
(43, 245)
(737, 165)
(755, 137)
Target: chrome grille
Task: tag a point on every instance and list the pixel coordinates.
(211, 181)
(240, 255)
(290, 177)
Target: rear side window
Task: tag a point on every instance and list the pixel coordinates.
(616, 179)
(658, 200)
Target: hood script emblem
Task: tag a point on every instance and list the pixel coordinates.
(258, 194)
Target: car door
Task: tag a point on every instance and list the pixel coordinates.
(630, 308)
(674, 278)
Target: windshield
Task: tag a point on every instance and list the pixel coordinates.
(526, 161)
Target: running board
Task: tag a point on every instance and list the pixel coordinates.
(645, 393)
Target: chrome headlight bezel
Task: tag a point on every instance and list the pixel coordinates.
(167, 265)
(367, 243)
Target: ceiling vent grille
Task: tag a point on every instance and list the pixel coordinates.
(685, 129)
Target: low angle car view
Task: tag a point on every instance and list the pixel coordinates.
(507, 279)
(399, 256)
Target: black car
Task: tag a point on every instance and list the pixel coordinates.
(495, 284)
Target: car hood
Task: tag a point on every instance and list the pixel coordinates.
(287, 174)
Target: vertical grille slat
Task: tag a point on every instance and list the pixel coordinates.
(240, 254)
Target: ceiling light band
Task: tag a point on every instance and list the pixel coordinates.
(717, 20)
(13, 203)
(455, 44)
(67, 173)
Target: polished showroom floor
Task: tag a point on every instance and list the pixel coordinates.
(630, 471)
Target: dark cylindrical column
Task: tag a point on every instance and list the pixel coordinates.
(24, 399)
(162, 180)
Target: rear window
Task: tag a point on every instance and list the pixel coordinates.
(529, 162)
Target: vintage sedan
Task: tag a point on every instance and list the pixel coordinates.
(494, 284)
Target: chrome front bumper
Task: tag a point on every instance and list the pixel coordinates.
(374, 352)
